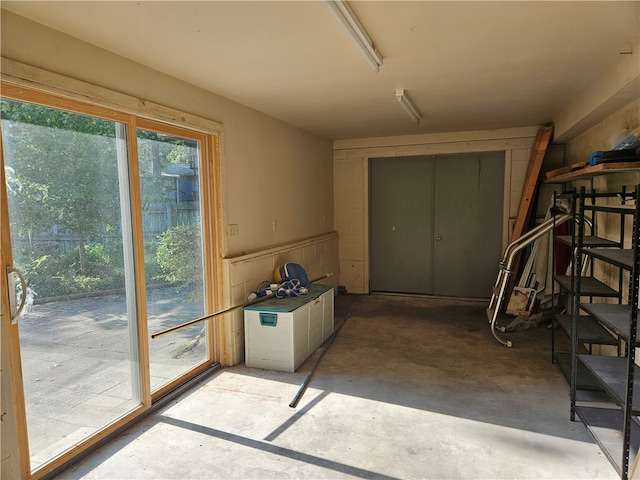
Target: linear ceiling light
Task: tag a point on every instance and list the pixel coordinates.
(408, 105)
(356, 32)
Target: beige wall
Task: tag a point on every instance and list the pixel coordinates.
(600, 137)
(351, 184)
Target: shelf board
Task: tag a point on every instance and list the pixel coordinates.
(612, 373)
(588, 241)
(605, 426)
(589, 287)
(622, 258)
(595, 170)
(565, 239)
(616, 317)
(590, 331)
(585, 379)
(627, 209)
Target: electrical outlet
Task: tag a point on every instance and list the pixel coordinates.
(274, 225)
(233, 230)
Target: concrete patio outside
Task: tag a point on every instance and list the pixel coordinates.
(78, 367)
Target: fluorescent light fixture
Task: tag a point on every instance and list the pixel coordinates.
(356, 32)
(408, 105)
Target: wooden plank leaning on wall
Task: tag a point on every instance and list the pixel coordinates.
(531, 180)
(529, 189)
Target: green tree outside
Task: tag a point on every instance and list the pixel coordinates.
(62, 178)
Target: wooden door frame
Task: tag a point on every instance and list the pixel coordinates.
(16, 414)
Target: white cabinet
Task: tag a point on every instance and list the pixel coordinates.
(281, 334)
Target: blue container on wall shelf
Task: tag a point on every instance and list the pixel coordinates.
(596, 157)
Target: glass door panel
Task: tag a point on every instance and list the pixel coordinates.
(67, 185)
(171, 223)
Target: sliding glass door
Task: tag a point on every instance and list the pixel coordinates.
(106, 226)
(174, 271)
(78, 341)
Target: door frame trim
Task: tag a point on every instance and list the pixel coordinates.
(10, 333)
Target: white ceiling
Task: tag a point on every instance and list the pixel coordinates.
(466, 65)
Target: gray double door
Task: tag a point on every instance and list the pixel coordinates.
(436, 224)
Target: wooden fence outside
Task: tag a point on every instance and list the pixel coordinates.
(156, 219)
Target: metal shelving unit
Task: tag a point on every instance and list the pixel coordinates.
(615, 427)
(590, 331)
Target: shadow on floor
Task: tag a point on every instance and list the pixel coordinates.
(410, 388)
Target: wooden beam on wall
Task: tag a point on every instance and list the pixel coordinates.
(531, 181)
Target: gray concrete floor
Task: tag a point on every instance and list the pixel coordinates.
(410, 388)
